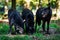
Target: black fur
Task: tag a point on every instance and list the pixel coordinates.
(15, 19)
(29, 17)
(44, 15)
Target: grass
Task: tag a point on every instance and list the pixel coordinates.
(38, 36)
(4, 27)
(52, 25)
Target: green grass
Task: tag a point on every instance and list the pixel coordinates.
(27, 37)
(52, 25)
(4, 27)
(17, 37)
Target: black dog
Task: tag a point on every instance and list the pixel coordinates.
(44, 15)
(28, 16)
(16, 20)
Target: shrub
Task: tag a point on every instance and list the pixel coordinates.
(4, 28)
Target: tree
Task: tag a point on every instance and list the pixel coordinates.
(40, 3)
(49, 3)
(57, 7)
(13, 4)
(6, 6)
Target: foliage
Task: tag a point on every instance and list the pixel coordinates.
(32, 5)
(15, 38)
(58, 30)
(22, 2)
(26, 37)
(4, 28)
(53, 4)
(1, 13)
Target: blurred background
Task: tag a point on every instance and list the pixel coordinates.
(33, 5)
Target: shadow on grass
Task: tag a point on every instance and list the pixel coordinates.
(36, 36)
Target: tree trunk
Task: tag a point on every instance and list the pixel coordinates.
(49, 3)
(6, 6)
(40, 3)
(13, 4)
(57, 8)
